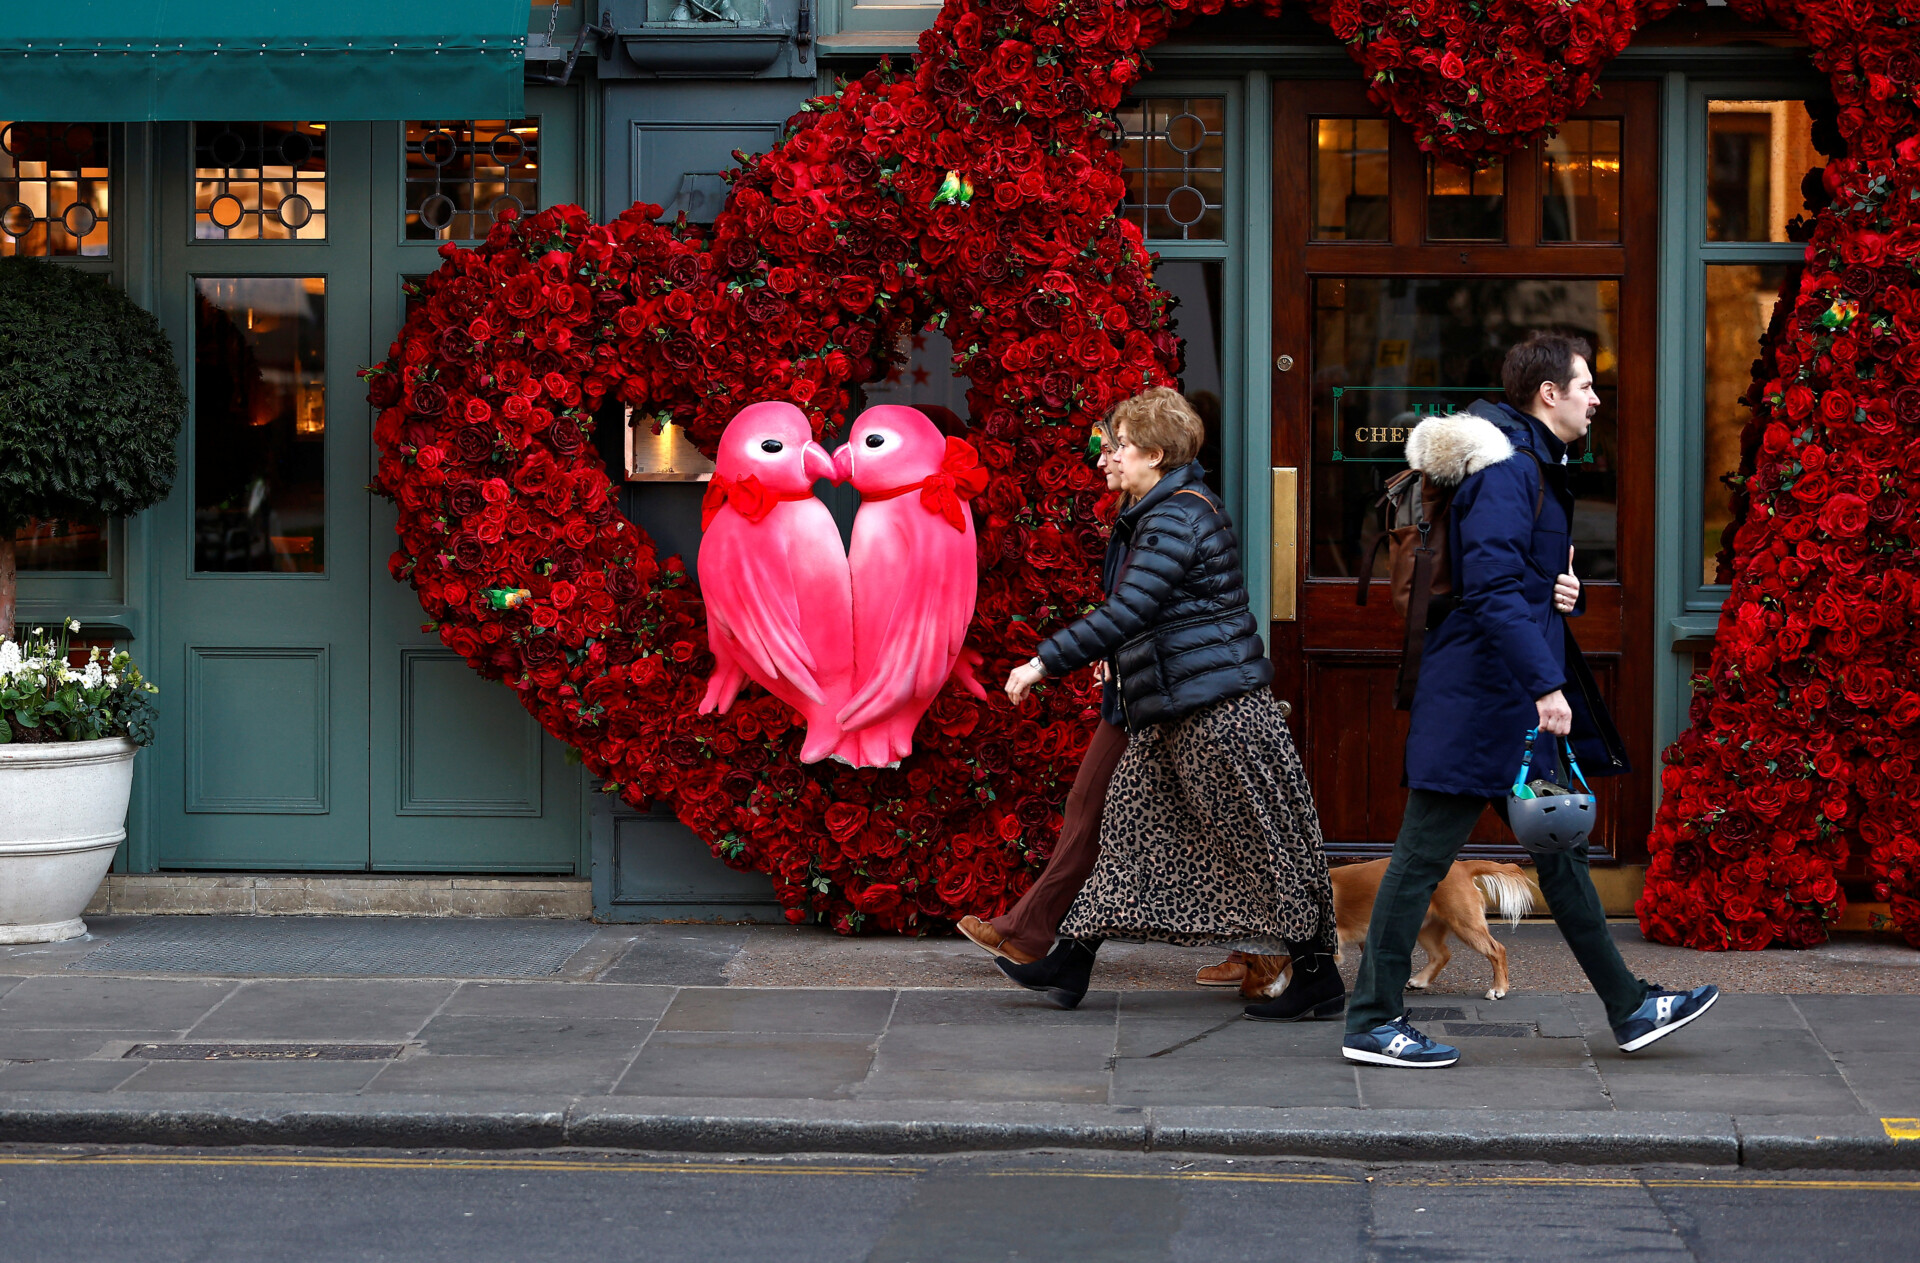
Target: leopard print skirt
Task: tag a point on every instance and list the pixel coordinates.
(1210, 837)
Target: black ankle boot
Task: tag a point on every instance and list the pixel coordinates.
(1314, 992)
(1062, 975)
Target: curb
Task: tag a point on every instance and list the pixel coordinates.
(1574, 1137)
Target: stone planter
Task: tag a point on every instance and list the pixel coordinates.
(65, 813)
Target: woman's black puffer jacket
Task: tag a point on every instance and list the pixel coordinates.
(1175, 624)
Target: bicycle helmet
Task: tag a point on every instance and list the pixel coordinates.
(1548, 818)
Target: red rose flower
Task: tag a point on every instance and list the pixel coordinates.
(845, 820)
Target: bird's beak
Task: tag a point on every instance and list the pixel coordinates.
(820, 465)
(843, 462)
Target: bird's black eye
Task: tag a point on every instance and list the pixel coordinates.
(874, 440)
(772, 445)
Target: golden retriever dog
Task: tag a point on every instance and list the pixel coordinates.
(1459, 908)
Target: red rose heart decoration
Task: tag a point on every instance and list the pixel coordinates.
(976, 193)
(1806, 727)
(1477, 78)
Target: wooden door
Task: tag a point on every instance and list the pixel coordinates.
(1399, 282)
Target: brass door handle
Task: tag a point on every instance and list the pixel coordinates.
(1286, 545)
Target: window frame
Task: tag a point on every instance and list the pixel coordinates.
(261, 242)
(1694, 254)
(101, 599)
(1247, 495)
(530, 114)
(116, 160)
(1211, 247)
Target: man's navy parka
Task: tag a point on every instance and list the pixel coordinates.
(1501, 645)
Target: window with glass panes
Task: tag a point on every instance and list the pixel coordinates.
(464, 174)
(1174, 154)
(54, 180)
(1758, 152)
(257, 181)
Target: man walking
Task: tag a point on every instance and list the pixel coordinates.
(1494, 665)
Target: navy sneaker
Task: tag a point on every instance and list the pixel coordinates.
(1661, 1014)
(1398, 1044)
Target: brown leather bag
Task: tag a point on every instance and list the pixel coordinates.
(1414, 532)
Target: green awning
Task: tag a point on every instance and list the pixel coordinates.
(131, 60)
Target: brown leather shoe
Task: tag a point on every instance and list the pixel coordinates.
(1227, 973)
(1264, 975)
(985, 936)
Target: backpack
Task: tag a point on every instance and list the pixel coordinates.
(1415, 529)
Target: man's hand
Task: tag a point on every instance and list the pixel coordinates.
(1556, 716)
(1566, 589)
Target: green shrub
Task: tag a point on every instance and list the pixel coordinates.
(90, 398)
(90, 404)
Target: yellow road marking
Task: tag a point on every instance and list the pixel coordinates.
(757, 1167)
(1902, 1128)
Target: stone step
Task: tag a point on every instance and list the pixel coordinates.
(307, 894)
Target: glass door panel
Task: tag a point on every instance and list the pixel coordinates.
(260, 424)
(1389, 351)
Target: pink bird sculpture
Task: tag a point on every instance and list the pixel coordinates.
(774, 574)
(915, 576)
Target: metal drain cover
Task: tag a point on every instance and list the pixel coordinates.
(265, 1052)
(1418, 1013)
(1492, 1030)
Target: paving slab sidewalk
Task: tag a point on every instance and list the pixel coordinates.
(659, 1038)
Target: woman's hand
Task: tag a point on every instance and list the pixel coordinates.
(1100, 671)
(1020, 681)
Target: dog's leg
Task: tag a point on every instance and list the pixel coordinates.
(1433, 937)
(1499, 958)
(1481, 939)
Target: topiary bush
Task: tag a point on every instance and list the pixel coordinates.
(90, 403)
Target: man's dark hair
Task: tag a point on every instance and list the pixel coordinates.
(1543, 357)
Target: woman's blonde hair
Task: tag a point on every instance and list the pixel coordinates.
(1161, 420)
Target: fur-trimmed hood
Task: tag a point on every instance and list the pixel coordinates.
(1452, 448)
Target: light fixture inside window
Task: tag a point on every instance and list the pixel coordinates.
(668, 456)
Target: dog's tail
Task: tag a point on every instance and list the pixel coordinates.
(1505, 884)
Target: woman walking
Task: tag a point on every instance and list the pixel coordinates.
(1025, 932)
(1209, 834)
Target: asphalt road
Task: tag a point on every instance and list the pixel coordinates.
(266, 1206)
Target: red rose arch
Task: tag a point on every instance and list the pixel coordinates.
(976, 193)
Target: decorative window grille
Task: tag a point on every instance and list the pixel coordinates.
(1175, 150)
(53, 189)
(462, 175)
(260, 181)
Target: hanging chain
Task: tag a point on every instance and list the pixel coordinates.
(587, 31)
